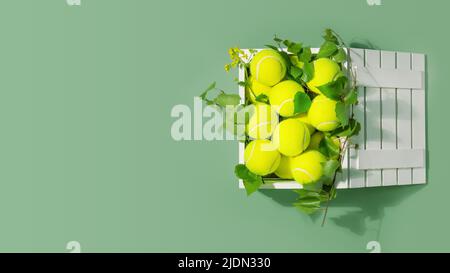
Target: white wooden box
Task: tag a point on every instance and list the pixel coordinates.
(391, 146)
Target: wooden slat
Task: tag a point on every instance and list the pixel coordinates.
(357, 177)
(389, 160)
(373, 119)
(418, 119)
(404, 118)
(389, 77)
(388, 118)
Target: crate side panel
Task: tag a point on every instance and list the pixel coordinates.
(418, 119)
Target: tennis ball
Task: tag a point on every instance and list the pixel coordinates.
(307, 168)
(262, 122)
(284, 169)
(291, 137)
(325, 71)
(282, 97)
(261, 157)
(322, 114)
(268, 67)
(257, 89)
(304, 118)
(316, 138)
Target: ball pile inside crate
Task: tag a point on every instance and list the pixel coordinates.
(282, 143)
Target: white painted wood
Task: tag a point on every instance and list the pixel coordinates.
(418, 105)
(390, 78)
(404, 118)
(279, 184)
(388, 119)
(357, 177)
(389, 160)
(373, 119)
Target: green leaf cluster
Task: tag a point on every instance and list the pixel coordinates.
(252, 181)
(299, 61)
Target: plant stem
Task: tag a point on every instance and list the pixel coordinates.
(341, 157)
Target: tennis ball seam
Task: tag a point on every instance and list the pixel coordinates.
(304, 172)
(273, 163)
(304, 136)
(259, 63)
(251, 152)
(283, 103)
(259, 125)
(323, 123)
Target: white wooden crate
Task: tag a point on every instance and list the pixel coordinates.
(391, 147)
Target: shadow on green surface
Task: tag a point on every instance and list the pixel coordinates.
(362, 205)
(362, 43)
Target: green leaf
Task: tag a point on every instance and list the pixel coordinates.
(306, 193)
(305, 55)
(285, 56)
(224, 99)
(262, 98)
(243, 83)
(302, 102)
(252, 182)
(335, 89)
(352, 129)
(330, 37)
(352, 97)
(329, 169)
(329, 193)
(276, 39)
(308, 72)
(308, 201)
(294, 48)
(308, 205)
(327, 49)
(295, 71)
(272, 47)
(205, 93)
(329, 148)
(340, 56)
(342, 113)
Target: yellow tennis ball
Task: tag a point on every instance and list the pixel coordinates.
(261, 157)
(268, 67)
(316, 138)
(322, 114)
(284, 170)
(257, 89)
(262, 122)
(282, 97)
(304, 118)
(325, 71)
(307, 168)
(291, 137)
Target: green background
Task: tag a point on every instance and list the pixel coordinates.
(86, 152)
